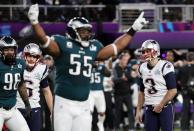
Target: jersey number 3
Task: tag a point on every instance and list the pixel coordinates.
(152, 84)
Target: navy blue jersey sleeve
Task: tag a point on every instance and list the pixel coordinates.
(141, 85)
(170, 79)
(44, 83)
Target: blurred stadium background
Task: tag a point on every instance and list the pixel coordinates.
(168, 19)
(171, 23)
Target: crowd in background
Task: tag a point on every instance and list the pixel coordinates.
(93, 14)
(83, 2)
(121, 95)
(124, 96)
(121, 102)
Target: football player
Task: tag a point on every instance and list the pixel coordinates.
(157, 89)
(35, 77)
(96, 95)
(11, 80)
(74, 55)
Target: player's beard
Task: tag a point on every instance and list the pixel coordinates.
(9, 59)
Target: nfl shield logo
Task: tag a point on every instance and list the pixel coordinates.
(168, 66)
(19, 66)
(93, 48)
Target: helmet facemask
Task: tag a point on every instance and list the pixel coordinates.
(80, 30)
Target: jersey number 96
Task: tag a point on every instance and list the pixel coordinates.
(11, 81)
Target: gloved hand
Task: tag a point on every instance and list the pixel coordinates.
(140, 22)
(28, 111)
(33, 14)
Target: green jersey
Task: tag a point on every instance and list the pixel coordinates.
(97, 77)
(10, 76)
(73, 68)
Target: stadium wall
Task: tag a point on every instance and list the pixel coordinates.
(106, 32)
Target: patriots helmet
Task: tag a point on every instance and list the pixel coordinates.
(150, 49)
(32, 50)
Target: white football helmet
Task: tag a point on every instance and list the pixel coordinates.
(33, 50)
(150, 49)
(79, 23)
(8, 42)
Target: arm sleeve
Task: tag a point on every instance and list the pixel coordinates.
(141, 85)
(44, 83)
(170, 80)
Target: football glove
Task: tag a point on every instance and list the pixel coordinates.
(140, 22)
(33, 14)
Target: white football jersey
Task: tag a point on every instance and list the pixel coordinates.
(154, 82)
(33, 80)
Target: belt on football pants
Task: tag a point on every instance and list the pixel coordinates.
(151, 107)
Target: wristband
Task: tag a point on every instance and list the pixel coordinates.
(34, 22)
(115, 49)
(47, 42)
(131, 31)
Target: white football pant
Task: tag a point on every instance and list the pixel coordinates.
(71, 115)
(13, 120)
(97, 99)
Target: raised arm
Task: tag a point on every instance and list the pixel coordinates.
(122, 42)
(47, 44)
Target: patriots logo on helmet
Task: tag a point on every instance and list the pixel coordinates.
(168, 66)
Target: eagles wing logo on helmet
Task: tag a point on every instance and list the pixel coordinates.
(79, 23)
(5, 43)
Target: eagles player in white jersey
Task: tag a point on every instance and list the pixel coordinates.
(157, 89)
(35, 77)
(74, 54)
